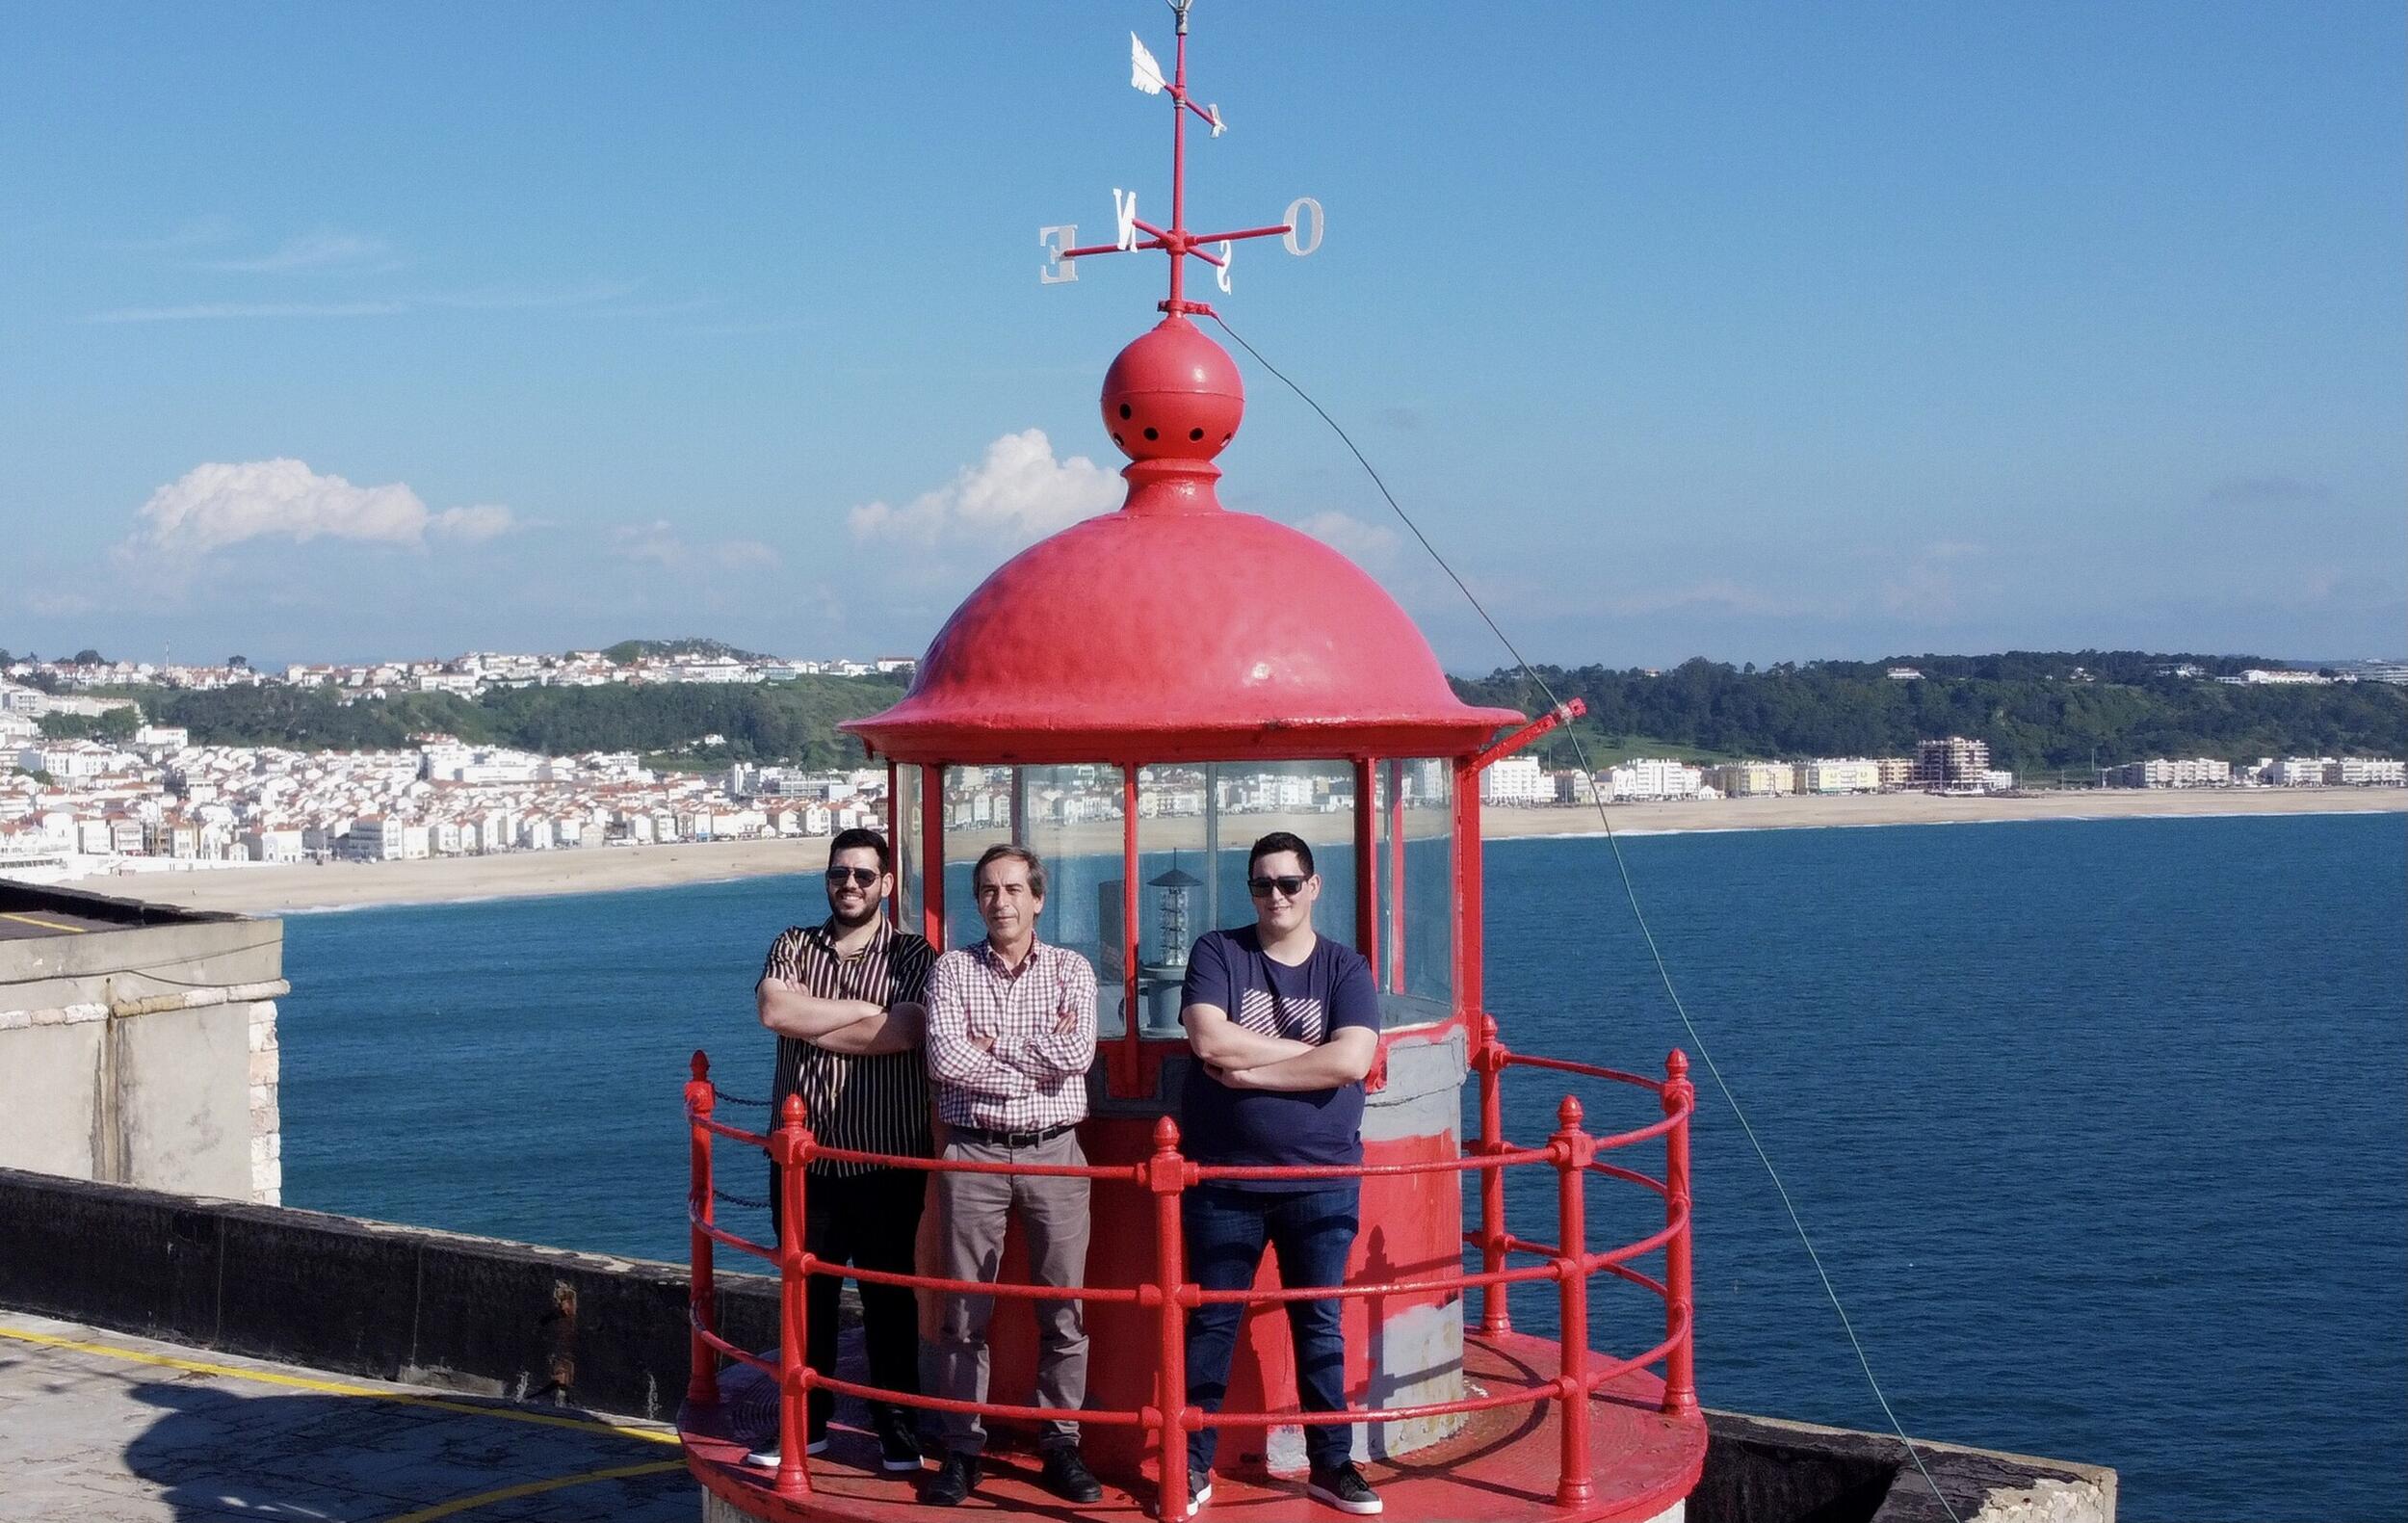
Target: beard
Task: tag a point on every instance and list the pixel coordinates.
(869, 912)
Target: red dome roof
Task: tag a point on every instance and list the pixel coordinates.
(1173, 630)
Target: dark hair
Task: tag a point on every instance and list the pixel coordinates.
(1005, 852)
(857, 839)
(1280, 841)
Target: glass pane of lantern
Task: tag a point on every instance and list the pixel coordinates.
(1420, 985)
(1177, 895)
(1071, 820)
(904, 832)
(977, 815)
(1313, 800)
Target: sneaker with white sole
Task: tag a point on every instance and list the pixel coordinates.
(766, 1458)
(898, 1442)
(1344, 1490)
(1199, 1496)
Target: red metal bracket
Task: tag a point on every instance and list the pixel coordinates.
(1552, 718)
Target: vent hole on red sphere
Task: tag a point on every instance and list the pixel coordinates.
(1226, 437)
(1124, 411)
(1152, 434)
(1195, 434)
(1116, 438)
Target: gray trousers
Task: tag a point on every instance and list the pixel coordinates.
(973, 1212)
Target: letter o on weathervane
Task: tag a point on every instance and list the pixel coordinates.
(1297, 210)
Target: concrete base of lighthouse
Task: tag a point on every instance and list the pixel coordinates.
(1502, 1466)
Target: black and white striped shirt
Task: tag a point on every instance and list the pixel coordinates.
(877, 1103)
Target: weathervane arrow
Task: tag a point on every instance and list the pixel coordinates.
(1145, 74)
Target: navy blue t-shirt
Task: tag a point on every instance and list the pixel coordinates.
(1331, 989)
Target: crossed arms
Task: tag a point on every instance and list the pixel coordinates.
(1008, 1065)
(854, 1027)
(1244, 1058)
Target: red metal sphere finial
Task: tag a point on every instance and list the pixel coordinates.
(1166, 1133)
(700, 1063)
(1173, 394)
(1568, 1114)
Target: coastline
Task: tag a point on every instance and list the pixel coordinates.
(301, 889)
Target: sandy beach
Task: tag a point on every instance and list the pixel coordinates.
(270, 890)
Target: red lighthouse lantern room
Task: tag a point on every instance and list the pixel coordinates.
(1141, 756)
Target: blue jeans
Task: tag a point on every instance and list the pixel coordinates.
(1314, 1232)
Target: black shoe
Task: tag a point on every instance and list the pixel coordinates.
(1344, 1490)
(951, 1485)
(1067, 1476)
(898, 1441)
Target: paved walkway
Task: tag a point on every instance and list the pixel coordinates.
(107, 1427)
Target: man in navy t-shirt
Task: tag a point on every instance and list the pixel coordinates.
(1284, 1026)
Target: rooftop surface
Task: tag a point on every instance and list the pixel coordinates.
(107, 1427)
(28, 912)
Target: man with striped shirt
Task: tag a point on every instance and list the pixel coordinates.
(845, 999)
(1011, 1036)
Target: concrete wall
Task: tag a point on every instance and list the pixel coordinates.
(143, 1050)
(507, 1318)
(362, 1298)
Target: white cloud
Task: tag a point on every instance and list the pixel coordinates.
(658, 543)
(202, 311)
(473, 524)
(320, 251)
(200, 232)
(1372, 546)
(1017, 492)
(1720, 594)
(210, 506)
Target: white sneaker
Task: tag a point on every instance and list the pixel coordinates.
(766, 1458)
(1201, 1495)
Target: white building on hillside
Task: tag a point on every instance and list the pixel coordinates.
(2165, 772)
(2368, 771)
(1516, 780)
(1848, 774)
(1653, 777)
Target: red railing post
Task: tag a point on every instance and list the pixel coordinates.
(1680, 1366)
(702, 1384)
(1495, 1312)
(1573, 1149)
(1167, 1176)
(791, 1146)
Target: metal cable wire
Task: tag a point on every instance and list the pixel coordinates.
(1630, 890)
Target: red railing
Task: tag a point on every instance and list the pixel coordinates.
(1571, 1152)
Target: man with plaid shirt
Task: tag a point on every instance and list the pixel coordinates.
(1010, 1034)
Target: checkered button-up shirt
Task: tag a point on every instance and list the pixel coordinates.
(1041, 1018)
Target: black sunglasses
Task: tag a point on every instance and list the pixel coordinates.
(1290, 885)
(838, 876)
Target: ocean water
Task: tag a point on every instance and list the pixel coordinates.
(2100, 1128)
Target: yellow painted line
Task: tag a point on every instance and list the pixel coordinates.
(296, 1383)
(46, 925)
(529, 1488)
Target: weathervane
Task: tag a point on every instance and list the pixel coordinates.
(1146, 74)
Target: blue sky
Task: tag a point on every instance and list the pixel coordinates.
(1755, 332)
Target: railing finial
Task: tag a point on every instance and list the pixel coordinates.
(701, 1064)
(1568, 1114)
